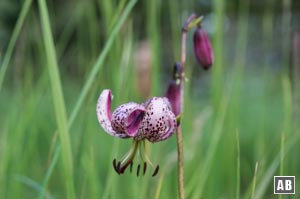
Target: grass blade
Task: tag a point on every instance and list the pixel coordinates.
(48, 174)
(238, 166)
(254, 180)
(13, 40)
(88, 84)
(30, 183)
(58, 99)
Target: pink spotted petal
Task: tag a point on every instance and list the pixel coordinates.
(134, 119)
(120, 115)
(159, 122)
(171, 126)
(104, 113)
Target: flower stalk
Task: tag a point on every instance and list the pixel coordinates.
(192, 21)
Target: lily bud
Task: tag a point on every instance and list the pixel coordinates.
(173, 90)
(202, 48)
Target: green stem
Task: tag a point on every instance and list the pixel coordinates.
(180, 163)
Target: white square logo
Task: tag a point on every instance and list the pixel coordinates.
(284, 184)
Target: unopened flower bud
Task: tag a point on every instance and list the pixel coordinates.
(202, 48)
(173, 90)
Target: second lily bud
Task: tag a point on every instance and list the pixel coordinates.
(202, 48)
(174, 90)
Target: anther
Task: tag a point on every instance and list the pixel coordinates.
(155, 171)
(131, 163)
(118, 167)
(115, 166)
(138, 170)
(124, 167)
(145, 168)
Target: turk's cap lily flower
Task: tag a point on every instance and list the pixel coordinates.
(152, 120)
(202, 48)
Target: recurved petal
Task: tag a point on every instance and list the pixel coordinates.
(159, 122)
(120, 115)
(134, 119)
(104, 113)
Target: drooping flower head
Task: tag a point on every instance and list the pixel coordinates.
(152, 120)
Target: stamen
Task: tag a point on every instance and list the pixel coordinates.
(115, 166)
(155, 171)
(138, 170)
(131, 153)
(118, 167)
(131, 166)
(123, 168)
(127, 159)
(145, 168)
(144, 153)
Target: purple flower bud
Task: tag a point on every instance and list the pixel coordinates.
(202, 48)
(173, 90)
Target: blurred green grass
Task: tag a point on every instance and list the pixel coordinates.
(243, 116)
